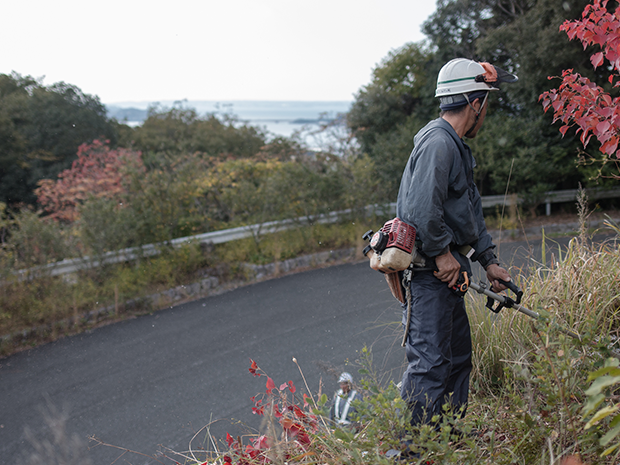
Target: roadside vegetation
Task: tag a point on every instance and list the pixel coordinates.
(110, 200)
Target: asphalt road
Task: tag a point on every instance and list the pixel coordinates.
(155, 380)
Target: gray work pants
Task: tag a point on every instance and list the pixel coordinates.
(438, 350)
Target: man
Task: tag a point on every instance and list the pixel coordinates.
(439, 198)
(342, 408)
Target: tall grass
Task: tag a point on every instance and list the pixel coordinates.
(530, 377)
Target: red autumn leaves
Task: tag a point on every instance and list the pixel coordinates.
(97, 172)
(580, 102)
(254, 451)
(280, 402)
(270, 384)
(253, 368)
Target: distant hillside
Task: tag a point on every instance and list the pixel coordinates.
(277, 117)
(126, 114)
(244, 109)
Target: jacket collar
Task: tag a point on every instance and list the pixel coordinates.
(442, 123)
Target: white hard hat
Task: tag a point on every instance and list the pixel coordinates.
(461, 76)
(345, 378)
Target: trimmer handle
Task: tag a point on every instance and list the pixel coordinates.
(508, 302)
(514, 288)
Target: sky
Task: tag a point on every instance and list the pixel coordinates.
(217, 50)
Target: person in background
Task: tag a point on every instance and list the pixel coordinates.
(342, 406)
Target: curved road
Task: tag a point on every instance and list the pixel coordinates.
(158, 378)
(155, 380)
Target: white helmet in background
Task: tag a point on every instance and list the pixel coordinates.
(345, 378)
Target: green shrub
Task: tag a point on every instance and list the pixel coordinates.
(605, 382)
(37, 241)
(105, 226)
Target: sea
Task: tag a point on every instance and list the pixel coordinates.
(278, 118)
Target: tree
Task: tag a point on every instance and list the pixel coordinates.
(399, 86)
(14, 93)
(41, 129)
(97, 172)
(517, 142)
(170, 200)
(182, 130)
(456, 26)
(388, 111)
(581, 103)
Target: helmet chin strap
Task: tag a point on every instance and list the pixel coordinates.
(468, 133)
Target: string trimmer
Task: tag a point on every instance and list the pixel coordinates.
(503, 301)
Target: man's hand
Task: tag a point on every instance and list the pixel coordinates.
(449, 269)
(495, 272)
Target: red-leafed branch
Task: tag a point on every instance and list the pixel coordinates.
(299, 426)
(583, 104)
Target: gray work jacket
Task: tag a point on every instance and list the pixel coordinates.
(437, 193)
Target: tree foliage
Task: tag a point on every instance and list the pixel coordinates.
(580, 102)
(182, 130)
(97, 172)
(388, 111)
(170, 200)
(41, 129)
(399, 86)
(518, 146)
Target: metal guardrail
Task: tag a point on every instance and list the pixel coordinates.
(553, 197)
(68, 266)
(72, 265)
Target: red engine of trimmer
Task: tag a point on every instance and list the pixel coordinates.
(393, 245)
(394, 233)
